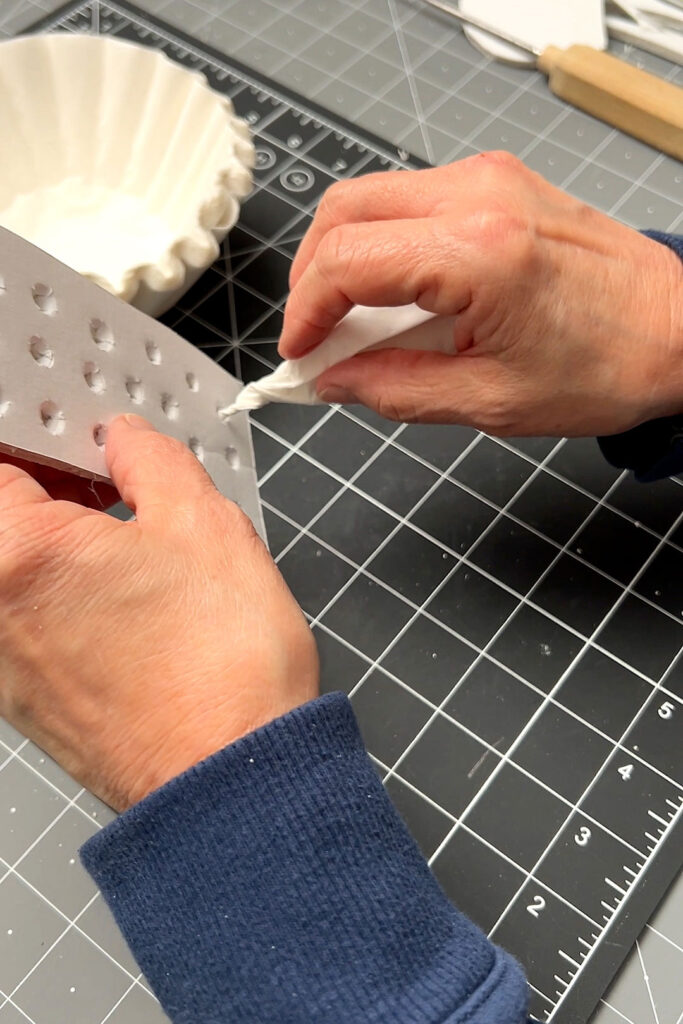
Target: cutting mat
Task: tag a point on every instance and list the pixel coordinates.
(505, 615)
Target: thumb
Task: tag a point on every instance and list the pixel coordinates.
(413, 386)
(157, 476)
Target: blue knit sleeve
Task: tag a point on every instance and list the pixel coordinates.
(653, 450)
(275, 882)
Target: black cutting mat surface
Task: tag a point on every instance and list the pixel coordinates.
(505, 615)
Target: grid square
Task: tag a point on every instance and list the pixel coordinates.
(429, 659)
(340, 667)
(458, 118)
(655, 505)
(361, 29)
(97, 921)
(661, 581)
(354, 526)
(603, 692)
(612, 543)
(562, 752)
(448, 765)
(53, 867)
(342, 445)
(553, 508)
(427, 824)
(535, 113)
(453, 516)
(27, 807)
(513, 554)
(299, 489)
(486, 89)
(476, 878)
(579, 132)
(267, 274)
(666, 177)
(628, 154)
(266, 214)
(439, 444)
(472, 605)
(370, 73)
(619, 800)
(278, 531)
(493, 704)
(368, 616)
(444, 70)
(389, 716)
(517, 816)
(313, 574)
(535, 647)
(291, 422)
(656, 736)
(29, 927)
(599, 187)
(396, 480)
(553, 162)
(646, 207)
(641, 636)
(493, 471)
(411, 565)
(581, 461)
(49, 769)
(267, 451)
(529, 931)
(76, 964)
(576, 594)
(594, 855)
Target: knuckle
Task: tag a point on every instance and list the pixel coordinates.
(387, 406)
(335, 199)
(499, 161)
(334, 250)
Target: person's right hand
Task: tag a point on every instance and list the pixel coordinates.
(568, 322)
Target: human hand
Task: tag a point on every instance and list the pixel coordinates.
(568, 323)
(131, 651)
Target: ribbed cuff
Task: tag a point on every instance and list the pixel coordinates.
(275, 882)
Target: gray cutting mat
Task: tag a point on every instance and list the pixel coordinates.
(412, 79)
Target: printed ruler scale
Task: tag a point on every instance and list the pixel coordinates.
(561, 837)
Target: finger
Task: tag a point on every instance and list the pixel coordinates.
(157, 477)
(387, 195)
(376, 264)
(64, 486)
(412, 387)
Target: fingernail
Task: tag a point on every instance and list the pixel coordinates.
(336, 395)
(137, 422)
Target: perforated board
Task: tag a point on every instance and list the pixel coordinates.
(504, 614)
(73, 356)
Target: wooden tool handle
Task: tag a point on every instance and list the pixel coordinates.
(638, 103)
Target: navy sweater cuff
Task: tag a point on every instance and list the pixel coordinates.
(275, 882)
(653, 450)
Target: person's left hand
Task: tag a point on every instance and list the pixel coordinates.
(64, 486)
(130, 651)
